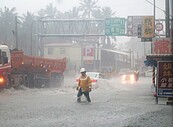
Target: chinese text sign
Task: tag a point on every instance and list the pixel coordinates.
(165, 78)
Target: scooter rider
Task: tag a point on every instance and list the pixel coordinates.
(84, 85)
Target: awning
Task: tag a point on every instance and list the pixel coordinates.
(160, 57)
(151, 59)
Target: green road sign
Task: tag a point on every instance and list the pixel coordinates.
(115, 26)
(146, 39)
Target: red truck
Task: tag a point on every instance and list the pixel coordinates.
(31, 71)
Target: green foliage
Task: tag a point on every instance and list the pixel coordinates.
(87, 7)
(27, 26)
(7, 24)
(106, 12)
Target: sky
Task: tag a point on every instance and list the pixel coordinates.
(123, 8)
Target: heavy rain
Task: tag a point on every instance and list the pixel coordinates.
(90, 63)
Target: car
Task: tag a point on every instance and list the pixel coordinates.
(128, 76)
(97, 79)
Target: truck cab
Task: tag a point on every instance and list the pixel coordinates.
(5, 66)
(4, 55)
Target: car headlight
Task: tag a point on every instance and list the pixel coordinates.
(2, 80)
(123, 77)
(132, 77)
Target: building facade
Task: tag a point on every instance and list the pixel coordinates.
(77, 55)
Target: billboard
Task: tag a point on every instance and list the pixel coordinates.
(132, 25)
(162, 46)
(88, 53)
(148, 26)
(115, 26)
(165, 79)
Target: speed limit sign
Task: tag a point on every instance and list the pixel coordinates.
(159, 26)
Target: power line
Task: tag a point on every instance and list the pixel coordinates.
(155, 6)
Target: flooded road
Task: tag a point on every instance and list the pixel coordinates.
(113, 105)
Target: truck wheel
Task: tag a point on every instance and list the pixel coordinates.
(60, 80)
(8, 85)
(30, 81)
(53, 80)
(56, 80)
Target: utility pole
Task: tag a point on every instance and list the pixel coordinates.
(16, 32)
(167, 18)
(154, 14)
(154, 75)
(171, 12)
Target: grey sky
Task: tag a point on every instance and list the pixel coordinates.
(123, 8)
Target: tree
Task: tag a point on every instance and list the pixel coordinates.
(103, 13)
(25, 32)
(87, 7)
(50, 11)
(107, 12)
(7, 25)
(72, 14)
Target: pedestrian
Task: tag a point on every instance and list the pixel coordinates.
(136, 73)
(84, 86)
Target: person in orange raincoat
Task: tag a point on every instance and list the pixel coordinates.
(84, 86)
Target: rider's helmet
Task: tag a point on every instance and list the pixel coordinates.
(82, 70)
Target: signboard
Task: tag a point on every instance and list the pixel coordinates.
(88, 61)
(115, 26)
(148, 26)
(146, 39)
(88, 52)
(159, 26)
(165, 79)
(162, 46)
(132, 25)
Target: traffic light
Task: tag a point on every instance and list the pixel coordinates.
(139, 30)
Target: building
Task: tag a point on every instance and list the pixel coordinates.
(88, 55)
(71, 51)
(77, 55)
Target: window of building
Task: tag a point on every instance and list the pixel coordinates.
(50, 51)
(62, 50)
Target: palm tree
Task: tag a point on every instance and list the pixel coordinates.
(87, 7)
(73, 14)
(103, 13)
(107, 12)
(7, 25)
(50, 11)
(25, 32)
